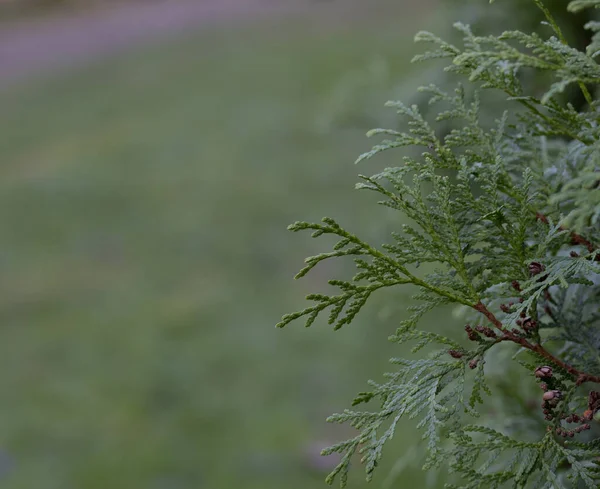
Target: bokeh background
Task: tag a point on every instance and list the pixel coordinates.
(152, 154)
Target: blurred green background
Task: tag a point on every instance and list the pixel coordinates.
(144, 257)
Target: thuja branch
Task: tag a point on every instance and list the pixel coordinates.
(576, 238)
(376, 270)
(559, 33)
(474, 253)
(579, 376)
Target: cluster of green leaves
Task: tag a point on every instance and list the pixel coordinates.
(483, 203)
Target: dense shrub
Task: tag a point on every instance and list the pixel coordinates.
(502, 202)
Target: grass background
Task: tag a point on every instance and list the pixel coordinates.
(144, 258)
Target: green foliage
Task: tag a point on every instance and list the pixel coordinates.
(506, 215)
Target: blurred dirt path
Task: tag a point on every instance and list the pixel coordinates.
(31, 47)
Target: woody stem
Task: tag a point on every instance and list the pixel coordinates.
(580, 377)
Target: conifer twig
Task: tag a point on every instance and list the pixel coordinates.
(580, 377)
(563, 39)
(576, 238)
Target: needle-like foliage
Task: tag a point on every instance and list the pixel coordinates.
(507, 215)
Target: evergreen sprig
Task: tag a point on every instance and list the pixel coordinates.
(508, 214)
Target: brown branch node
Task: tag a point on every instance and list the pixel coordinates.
(580, 377)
